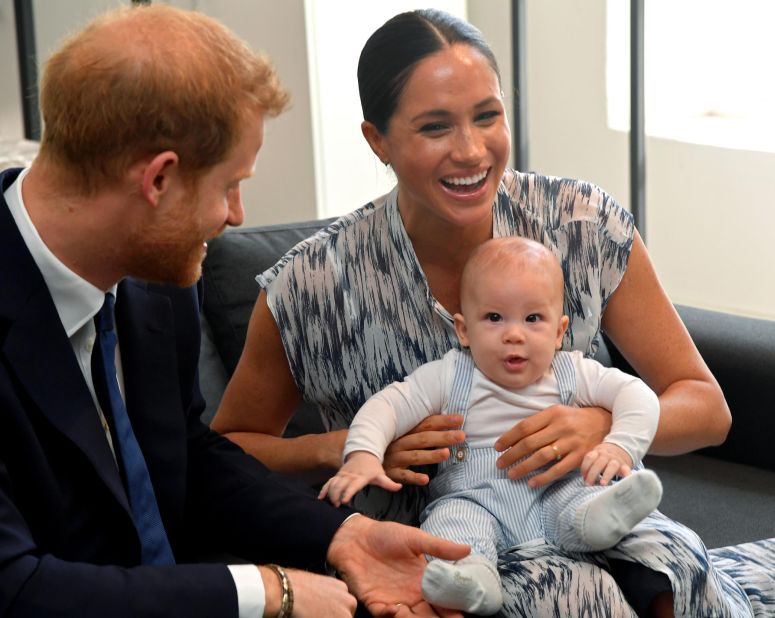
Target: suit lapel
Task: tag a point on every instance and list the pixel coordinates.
(146, 331)
(34, 342)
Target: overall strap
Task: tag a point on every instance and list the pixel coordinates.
(458, 400)
(565, 372)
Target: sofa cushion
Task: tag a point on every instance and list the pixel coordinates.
(725, 503)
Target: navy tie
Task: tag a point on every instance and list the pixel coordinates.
(155, 546)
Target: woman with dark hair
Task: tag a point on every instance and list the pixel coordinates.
(368, 299)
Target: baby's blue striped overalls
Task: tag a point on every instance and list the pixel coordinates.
(476, 503)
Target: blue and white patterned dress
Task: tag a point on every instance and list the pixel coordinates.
(355, 314)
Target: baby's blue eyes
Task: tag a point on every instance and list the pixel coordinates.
(497, 317)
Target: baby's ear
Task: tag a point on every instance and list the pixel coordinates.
(461, 330)
(562, 326)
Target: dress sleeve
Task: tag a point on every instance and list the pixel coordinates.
(616, 231)
(308, 293)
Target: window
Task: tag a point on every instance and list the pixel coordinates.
(708, 66)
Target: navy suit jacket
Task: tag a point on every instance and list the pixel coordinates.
(67, 542)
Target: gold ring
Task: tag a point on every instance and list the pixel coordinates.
(557, 454)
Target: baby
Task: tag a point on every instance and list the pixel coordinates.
(511, 327)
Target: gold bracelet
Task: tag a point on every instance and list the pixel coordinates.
(286, 597)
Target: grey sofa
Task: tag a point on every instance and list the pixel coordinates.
(726, 493)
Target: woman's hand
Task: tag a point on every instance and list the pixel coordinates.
(560, 434)
(427, 443)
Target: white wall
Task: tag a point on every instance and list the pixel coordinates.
(53, 20)
(11, 127)
(711, 215)
(493, 18)
(283, 187)
(710, 211)
(567, 123)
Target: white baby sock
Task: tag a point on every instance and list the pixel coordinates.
(605, 519)
(471, 584)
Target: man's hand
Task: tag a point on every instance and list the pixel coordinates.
(383, 562)
(427, 443)
(604, 462)
(560, 435)
(360, 469)
(313, 595)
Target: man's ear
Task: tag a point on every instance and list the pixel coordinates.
(461, 330)
(158, 174)
(561, 328)
(375, 140)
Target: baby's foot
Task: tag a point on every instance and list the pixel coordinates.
(471, 585)
(609, 516)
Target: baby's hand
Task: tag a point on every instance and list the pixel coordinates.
(360, 469)
(604, 462)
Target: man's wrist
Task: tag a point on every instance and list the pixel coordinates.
(352, 527)
(328, 568)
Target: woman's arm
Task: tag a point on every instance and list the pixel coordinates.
(645, 327)
(260, 399)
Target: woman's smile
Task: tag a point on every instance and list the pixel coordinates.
(465, 182)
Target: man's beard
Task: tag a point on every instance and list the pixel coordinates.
(172, 252)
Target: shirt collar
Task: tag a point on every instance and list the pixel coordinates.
(77, 301)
